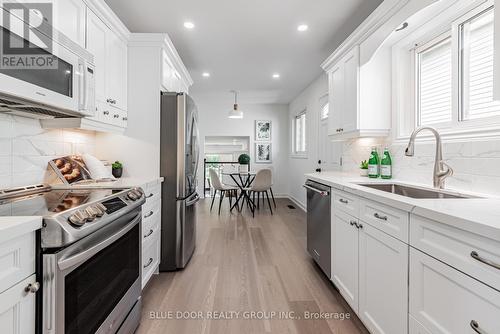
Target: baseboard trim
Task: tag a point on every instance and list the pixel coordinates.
(297, 202)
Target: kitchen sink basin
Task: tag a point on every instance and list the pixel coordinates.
(414, 192)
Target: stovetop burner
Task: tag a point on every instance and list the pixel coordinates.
(69, 215)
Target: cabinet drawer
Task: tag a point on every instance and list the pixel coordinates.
(416, 327)
(444, 300)
(150, 211)
(150, 259)
(470, 253)
(150, 230)
(390, 220)
(346, 202)
(17, 260)
(17, 309)
(153, 193)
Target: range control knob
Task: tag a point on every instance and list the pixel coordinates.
(138, 193)
(132, 195)
(98, 211)
(91, 213)
(78, 219)
(101, 207)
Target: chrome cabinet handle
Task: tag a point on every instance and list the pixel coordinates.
(149, 214)
(149, 263)
(105, 112)
(352, 223)
(343, 201)
(360, 226)
(475, 326)
(116, 116)
(147, 235)
(322, 193)
(376, 215)
(125, 118)
(109, 100)
(32, 288)
(150, 195)
(475, 255)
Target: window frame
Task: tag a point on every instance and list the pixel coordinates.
(294, 152)
(406, 117)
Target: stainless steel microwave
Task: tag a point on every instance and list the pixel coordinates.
(55, 83)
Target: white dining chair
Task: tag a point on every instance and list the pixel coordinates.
(223, 190)
(261, 185)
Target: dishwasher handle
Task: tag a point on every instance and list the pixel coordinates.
(321, 192)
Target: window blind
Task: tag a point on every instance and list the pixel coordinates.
(325, 110)
(477, 64)
(435, 83)
(300, 133)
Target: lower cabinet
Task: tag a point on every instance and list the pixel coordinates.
(370, 269)
(444, 300)
(17, 308)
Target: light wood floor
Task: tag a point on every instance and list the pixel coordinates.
(244, 264)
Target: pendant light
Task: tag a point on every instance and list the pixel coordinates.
(235, 113)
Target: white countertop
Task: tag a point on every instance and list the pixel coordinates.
(476, 215)
(12, 227)
(124, 182)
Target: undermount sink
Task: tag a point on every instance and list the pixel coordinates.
(414, 192)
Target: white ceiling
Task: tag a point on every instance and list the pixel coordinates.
(242, 43)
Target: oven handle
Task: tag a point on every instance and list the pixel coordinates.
(68, 262)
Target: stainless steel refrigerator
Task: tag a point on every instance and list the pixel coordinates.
(179, 158)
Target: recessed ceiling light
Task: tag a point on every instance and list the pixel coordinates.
(276, 75)
(206, 74)
(303, 27)
(188, 25)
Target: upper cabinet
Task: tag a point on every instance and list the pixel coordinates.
(69, 18)
(360, 74)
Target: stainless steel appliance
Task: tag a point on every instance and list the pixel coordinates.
(319, 224)
(89, 257)
(64, 89)
(179, 158)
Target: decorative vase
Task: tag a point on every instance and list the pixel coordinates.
(363, 172)
(117, 172)
(243, 168)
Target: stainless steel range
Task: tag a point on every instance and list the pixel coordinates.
(89, 257)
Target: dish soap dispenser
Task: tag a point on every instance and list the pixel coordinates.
(373, 164)
(386, 165)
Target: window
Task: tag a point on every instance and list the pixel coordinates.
(325, 110)
(477, 64)
(299, 127)
(449, 75)
(435, 83)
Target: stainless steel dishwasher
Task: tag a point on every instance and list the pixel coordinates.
(319, 224)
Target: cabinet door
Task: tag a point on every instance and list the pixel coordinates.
(116, 71)
(97, 34)
(70, 19)
(336, 91)
(383, 280)
(17, 309)
(345, 256)
(444, 300)
(350, 65)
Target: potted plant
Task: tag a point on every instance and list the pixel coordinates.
(364, 168)
(117, 169)
(244, 161)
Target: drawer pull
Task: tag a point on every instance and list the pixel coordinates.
(376, 215)
(475, 326)
(149, 263)
(476, 256)
(150, 195)
(353, 223)
(149, 214)
(344, 201)
(33, 288)
(147, 235)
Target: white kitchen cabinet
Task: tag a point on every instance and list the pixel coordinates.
(345, 272)
(444, 300)
(383, 281)
(70, 17)
(116, 71)
(17, 308)
(97, 39)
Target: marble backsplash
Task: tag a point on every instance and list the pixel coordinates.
(25, 149)
(476, 163)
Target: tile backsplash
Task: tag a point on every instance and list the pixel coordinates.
(476, 163)
(26, 148)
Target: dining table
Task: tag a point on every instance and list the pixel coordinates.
(243, 180)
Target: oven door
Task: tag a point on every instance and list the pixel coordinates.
(91, 286)
(66, 85)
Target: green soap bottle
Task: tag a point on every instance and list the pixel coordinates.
(373, 164)
(386, 165)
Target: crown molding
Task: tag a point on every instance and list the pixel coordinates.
(105, 13)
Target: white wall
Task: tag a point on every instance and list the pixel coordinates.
(213, 121)
(26, 148)
(308, 100)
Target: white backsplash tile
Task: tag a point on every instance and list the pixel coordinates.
(476, 163)
(26, 148)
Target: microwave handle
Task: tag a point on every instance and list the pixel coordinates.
(84, 82)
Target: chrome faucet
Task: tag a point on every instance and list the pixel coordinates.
(441, 169)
